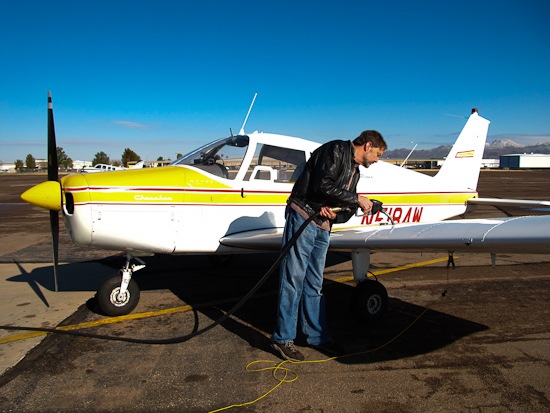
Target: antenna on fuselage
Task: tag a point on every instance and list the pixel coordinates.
(241, 132)
(408, 156)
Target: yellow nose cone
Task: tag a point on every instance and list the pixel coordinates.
(45, 195)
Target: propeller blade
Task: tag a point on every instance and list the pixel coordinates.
(53, 175)
(54, 226)
(53, 172)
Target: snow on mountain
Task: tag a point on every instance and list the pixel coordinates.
(503, 143)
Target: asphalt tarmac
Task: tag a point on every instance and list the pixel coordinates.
(470, 339)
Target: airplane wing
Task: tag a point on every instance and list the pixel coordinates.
(526, 234)
(514, 207)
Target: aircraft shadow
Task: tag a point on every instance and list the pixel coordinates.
(77, 276)
(254, 321)
(41, 252)
(196, 280)
(83, 269)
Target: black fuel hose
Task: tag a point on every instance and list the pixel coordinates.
(195, 333)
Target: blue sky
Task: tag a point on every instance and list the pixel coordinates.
(162, 77)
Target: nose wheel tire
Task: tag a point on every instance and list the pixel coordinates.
(369, 301)
(108, 297)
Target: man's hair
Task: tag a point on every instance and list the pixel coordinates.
(371, 136)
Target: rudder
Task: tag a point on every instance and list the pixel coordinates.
(463, 162)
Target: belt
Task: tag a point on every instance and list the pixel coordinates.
(310, 212)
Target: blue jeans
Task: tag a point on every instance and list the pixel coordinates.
(301, 301)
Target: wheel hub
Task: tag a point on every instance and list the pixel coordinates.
(374, 304)
(117, 299)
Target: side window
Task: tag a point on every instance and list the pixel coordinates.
(276, 164)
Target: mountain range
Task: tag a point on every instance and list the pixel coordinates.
(493, 150)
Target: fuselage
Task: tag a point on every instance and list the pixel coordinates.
(234, 185)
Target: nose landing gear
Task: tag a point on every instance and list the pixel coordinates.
(119, 295)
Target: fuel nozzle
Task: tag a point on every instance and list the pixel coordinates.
(377, 206)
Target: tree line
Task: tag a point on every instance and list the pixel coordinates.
(65, 162)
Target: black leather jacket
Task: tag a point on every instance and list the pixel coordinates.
(325, 180)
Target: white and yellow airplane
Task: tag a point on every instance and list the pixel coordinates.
(102, 167)
(229, 197)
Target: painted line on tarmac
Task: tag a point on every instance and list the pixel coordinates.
(396, 269)
(185, 308)
(120, 319)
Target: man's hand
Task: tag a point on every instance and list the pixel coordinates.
(365, 204)
(326, 212)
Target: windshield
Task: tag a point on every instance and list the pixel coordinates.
(222, 157)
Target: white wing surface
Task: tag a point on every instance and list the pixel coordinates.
(527, 234)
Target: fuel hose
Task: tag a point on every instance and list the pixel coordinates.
(181, 339)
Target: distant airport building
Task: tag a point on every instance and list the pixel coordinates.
(151, 164)
(436, 163)
(7, 167)
(78, 165)
(525, 161)
(490, 163)
(416, 163)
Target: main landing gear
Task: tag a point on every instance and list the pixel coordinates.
(119, 295)
(369, 299)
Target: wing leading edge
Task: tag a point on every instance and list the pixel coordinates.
(527, 234)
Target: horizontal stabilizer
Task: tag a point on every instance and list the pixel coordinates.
(514, 207)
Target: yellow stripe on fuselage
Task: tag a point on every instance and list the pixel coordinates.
(171, 185)
(177, 185)
(423, 198)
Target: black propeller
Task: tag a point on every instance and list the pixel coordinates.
(53, 175)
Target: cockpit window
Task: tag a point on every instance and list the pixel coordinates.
(222, 157)
(277, 164)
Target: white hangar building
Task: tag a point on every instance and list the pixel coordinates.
(525, 161)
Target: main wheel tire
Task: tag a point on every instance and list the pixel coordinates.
(107, 297)
(369, 301)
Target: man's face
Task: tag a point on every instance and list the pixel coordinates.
(371, 155)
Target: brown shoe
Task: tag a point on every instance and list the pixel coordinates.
(288, 351)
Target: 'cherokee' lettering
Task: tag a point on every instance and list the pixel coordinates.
(152, 198)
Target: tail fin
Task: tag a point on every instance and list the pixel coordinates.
(464, 160)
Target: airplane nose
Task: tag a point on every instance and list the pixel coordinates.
(45, 195)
